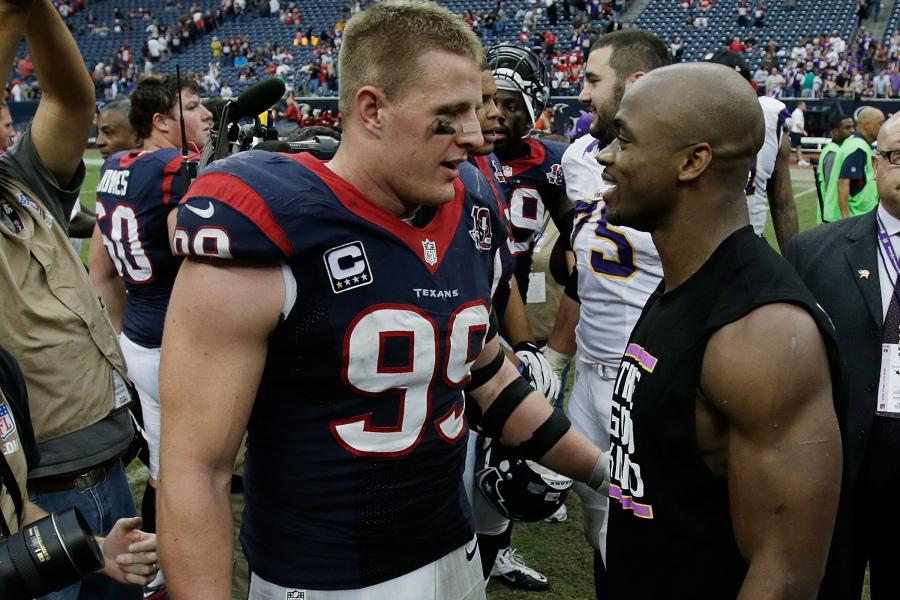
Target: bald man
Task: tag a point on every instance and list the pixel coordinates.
(850, 266)
(725, 444)
(857, 191)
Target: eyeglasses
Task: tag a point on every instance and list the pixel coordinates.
(892, 156)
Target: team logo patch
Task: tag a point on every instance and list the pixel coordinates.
(348, 268)
(295, 595)
(430, 250)
(481, 227)
(555, 174)
(7, 425)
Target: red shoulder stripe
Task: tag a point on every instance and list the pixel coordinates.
(234, 192)
(534, 158)
(169, 172)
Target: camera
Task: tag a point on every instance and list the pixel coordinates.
(47, 556)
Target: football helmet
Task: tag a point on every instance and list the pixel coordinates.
(519, 489)
(518, 69)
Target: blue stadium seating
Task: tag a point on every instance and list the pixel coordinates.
(811, 17)
(664, 17)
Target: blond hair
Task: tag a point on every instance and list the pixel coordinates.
(382, 46)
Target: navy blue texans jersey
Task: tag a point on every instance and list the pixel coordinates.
(531, 183)
(504, 263)
(137, 190)
(357, 439)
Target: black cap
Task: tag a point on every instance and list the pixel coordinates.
(730, 59)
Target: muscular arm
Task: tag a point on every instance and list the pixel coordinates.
(781, 196)
(63, 120)
(573, 455)
(106, 280)
(844, 197)
(515, 327)
(562, 338)
(767, 375)
(214, 350)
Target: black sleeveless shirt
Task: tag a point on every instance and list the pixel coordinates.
(670, 530)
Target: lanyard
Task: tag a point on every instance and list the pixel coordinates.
(885, 240)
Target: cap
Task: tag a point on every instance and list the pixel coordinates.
(730, 59)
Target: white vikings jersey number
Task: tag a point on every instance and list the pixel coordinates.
(757, 201)
(618, 267)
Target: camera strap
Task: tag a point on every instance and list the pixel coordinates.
(9, 481)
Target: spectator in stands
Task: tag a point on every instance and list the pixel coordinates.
(216, 47)
(737, 45)
(676, 49)
(743, 14)
(774, 83)
(759, 16)
(760, 76)
(7, 129)
(226, 93)
(882, 85)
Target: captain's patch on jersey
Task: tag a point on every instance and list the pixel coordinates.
(347, 267)
(7, 425)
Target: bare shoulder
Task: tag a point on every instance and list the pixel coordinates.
(770, 363)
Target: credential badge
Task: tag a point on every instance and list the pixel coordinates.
(347, 266)
(430, 249)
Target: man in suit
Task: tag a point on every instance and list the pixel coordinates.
(851, 267)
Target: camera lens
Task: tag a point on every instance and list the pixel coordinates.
(48, 555)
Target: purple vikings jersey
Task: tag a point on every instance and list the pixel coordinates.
(357, 438)
(530, 183)
(137, 190)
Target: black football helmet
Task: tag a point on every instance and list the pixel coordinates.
(518, 69)
(520, 490)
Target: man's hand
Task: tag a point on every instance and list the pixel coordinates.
(538, 369)
(129, 553)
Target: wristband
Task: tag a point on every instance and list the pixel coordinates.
(599, 480)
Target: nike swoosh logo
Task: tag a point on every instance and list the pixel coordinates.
(471, 555)
(203, 213)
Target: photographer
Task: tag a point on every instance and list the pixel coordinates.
(129, 554)
(51, 320)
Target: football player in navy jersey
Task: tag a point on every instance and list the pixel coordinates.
(493, 529)
(336, 311)
(136, 192)
(531, 167)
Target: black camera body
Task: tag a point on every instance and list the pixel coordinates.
(48, 555)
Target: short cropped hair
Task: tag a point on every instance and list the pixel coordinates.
(157, 94)
(838, 118)
(382, 46)
(633, 50)
(123, 106)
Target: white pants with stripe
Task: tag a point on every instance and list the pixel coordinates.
(589, 409)
(455, 576)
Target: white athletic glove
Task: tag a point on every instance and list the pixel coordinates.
(538, 370)
(558, 361)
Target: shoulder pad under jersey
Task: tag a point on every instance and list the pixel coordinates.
(246, 206)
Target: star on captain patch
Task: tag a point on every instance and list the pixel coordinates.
(863, 273)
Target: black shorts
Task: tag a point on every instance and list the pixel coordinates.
(795, 139)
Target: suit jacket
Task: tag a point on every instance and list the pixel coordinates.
(839, 264)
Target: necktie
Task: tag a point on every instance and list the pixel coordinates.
(890, 331)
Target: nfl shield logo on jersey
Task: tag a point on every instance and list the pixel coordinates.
(348, 267)
(295, 595)
(7, 426)
(481, 227)
(430, 249)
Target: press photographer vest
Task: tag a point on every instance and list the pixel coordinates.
(54, 325)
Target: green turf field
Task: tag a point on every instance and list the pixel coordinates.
(558, 551)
